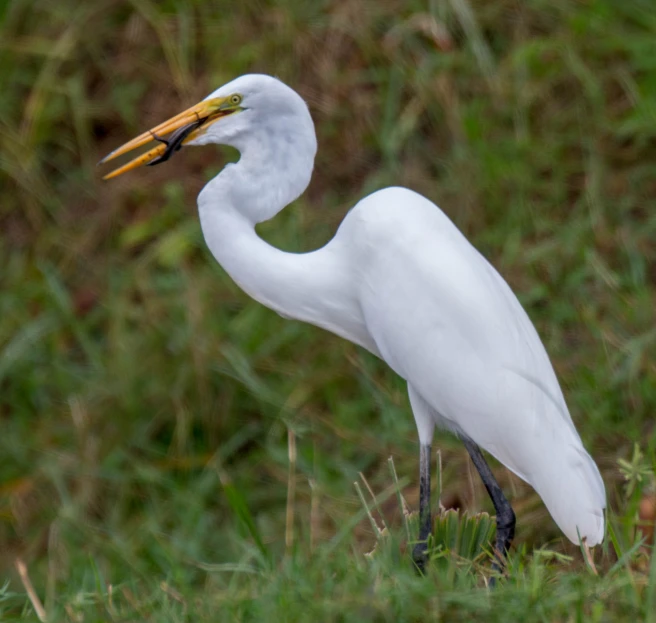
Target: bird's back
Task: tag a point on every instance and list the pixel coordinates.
(446, 321)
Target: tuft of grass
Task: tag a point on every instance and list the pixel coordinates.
(147, 406)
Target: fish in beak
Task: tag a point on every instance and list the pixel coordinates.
(174, 133)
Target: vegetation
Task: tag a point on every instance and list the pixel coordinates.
(172, 451)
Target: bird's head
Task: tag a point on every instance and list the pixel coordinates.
(234, 114)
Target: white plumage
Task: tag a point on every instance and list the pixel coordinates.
(400, 280)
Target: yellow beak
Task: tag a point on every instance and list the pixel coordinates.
(190, 123)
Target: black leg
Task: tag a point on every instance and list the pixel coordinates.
(505, 514)
(419, 555)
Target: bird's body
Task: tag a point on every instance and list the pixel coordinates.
(400, 280)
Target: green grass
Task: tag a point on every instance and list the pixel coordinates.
(147, 406)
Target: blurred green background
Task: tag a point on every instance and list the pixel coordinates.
(147, 405)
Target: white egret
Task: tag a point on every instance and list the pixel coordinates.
(401, 281)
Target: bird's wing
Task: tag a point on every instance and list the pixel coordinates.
(447, 322)
(433, 304)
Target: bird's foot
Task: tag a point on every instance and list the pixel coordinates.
(420, 556)
(499, 561)
(505, 535)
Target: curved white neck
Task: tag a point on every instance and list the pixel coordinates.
(314, 287)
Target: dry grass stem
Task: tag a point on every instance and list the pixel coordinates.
(291, 490)
(314, 514)
(372, 520)
(373, 498)
(29, 589)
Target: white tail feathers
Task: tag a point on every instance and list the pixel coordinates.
(574, 494)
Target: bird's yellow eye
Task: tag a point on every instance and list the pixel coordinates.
(235, 99)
